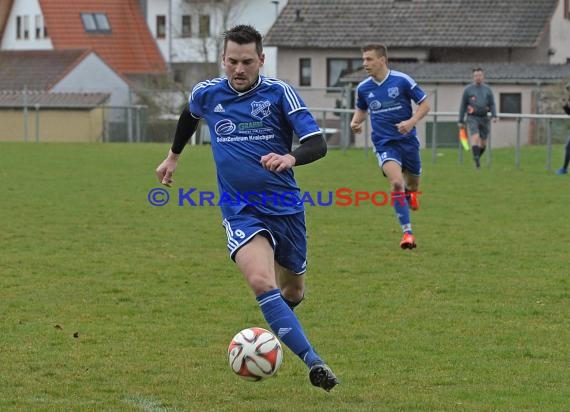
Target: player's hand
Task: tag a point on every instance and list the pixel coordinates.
(405, 127)
(356, 127)
(165, 170)
(277, 163)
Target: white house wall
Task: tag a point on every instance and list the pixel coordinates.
(316, 95)
(156, 8)
(560, 36)
(92, 75)
(259, 13)
(30, 8)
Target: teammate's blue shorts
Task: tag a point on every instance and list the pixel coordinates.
(286, 233)
(404, 152)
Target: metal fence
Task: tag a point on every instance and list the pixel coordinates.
(541, 129)
(440, 130)
(133, 124)
(125, 124)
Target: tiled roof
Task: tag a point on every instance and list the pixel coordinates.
(36, 69)
(5, 7)
(462, 72)
(412, 23)
(15, 99)
(129, 47)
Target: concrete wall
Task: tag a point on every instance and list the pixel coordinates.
(54, 125)
(444, 98)
(503, 131)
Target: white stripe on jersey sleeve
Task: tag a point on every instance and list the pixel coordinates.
(290, 94)
(204, 84)
(405, 76)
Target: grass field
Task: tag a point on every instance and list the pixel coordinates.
(111, 304)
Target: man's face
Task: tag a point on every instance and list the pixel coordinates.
(242, 64)
(478, 76)
(374, 64)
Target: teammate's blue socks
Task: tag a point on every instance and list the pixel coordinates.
(402, 211)
(286, 326)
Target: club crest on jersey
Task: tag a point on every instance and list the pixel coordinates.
(260, 109)
(393, 92)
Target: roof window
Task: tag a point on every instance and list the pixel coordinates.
(95, 23)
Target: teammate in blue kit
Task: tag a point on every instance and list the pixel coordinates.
(387, 95)
(252, 119)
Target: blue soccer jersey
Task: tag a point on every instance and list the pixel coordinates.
(244, 126)
(389, 102)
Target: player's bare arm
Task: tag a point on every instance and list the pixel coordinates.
(166, 169)
(407, 125)
(357, 119)
(277, 163)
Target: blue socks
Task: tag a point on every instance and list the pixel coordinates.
(286, 326)
(402, 211)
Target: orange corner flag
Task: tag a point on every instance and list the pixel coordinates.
(463, 138)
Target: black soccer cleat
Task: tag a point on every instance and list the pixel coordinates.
(323, 377)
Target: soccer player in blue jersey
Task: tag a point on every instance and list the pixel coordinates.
(387, 95)
(252, 119)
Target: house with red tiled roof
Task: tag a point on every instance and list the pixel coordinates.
(82, 47)
(115, 30)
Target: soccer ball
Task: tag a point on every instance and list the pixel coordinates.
(255, 354)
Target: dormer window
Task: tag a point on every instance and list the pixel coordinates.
(95, 23)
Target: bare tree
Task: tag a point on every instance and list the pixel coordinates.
(554, 97)
(219, 13)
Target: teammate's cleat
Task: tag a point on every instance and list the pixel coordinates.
(322, 376)
(408, 241)
(477, 163)
(561, 171)
(413, 201)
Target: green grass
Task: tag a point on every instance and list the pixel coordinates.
(110, 304)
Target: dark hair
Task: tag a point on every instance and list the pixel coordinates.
(477, 69)
(379, 48)
(244, 34)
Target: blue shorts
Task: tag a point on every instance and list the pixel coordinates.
(286, 233)
(406, 153)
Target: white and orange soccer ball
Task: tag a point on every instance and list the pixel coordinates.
(255, 354)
